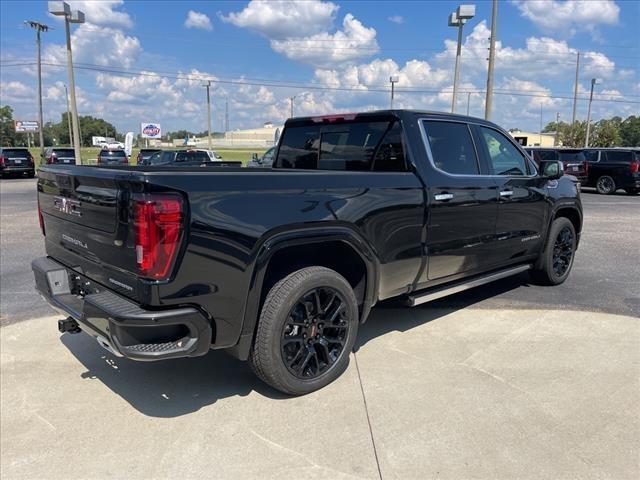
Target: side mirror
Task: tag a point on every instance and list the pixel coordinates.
(254, 157)
(551, 169)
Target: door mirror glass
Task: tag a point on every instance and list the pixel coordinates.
(551, 169)
(254, 157)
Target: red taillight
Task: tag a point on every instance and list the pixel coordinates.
(157, 221)
(98, 160)
(40, 219)
(635, 166)
(2, 159)
(31, 160)
(586, 167)
(52, 158)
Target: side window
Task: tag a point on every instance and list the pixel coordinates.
(167, 157)
(390, 155)
(591, 156)
(452, 147)
(505, 158)
(618, 156)
(548, 155)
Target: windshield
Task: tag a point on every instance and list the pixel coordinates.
(191, 156)
(113, 153)
(64, 152)
(15, 153)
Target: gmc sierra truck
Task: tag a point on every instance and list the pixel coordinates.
(280, 266)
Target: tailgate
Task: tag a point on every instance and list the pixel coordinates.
(85, 216)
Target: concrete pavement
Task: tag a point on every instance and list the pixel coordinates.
(472, 393)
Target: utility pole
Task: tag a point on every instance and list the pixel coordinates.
(66, 93)
(492, 56)
(39, 27)
(291, 99)
(208, 86)
(458, 19)
(226, 115)
(393, 79)
(575, 89)
(555, 137)
(594, 82)
(468, 102)
(540, 124)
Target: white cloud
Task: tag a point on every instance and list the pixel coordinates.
(103, 12)
(353, 42)
(198, 20)
(399, 19)
(15, 90)
(97, 45)
(570, 15)
(284, 19)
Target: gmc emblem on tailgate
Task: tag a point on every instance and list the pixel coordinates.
(68, 206)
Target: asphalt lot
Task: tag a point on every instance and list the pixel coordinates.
(508, 381)
(602, 279)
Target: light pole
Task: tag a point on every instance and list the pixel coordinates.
(458, 19)
(594, 81)
(393, 79)
(39, 27)
(75, 16)
(208, 87)
(66, 96)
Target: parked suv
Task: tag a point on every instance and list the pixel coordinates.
(573, 159)
(281, 266)
(59, 155)
(145, 154)
(16, 161)
(611, 169)
(112, 157)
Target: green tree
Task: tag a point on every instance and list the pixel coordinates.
(606, 133)
(572, 135)
(7, 127)
(630, 132)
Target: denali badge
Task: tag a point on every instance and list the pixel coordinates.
(75, 241)
(120, 284)
(68, 206)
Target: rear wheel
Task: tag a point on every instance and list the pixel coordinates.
(306, 330)
(554, 265)
(606, 185)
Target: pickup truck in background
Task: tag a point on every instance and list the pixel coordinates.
(280, 266)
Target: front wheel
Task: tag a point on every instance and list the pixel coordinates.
(606, 185)
(307, 327)
(554, 265)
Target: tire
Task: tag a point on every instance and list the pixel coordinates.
(606, 185)
(294, 350)
(554, 264)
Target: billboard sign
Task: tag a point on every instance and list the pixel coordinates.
(27, 126)
(150, 130)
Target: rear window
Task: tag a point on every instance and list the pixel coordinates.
(572, 156)
(591, 156)
(547, 155)
(64, 152)
(112, 153)
(15, 153)
(192, 157)
(348, 146)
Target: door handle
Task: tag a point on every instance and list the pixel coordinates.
(443, 197)
(506, 193)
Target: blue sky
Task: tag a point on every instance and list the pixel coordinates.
(146, 61)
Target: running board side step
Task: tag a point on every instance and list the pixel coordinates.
(429, 296)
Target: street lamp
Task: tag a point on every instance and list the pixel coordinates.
(76, 16)
(594, 81)
(458, 19)
(393, 79)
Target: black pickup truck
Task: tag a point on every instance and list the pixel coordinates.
(280, 266)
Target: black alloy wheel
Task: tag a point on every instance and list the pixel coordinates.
(605, 185)
(315, 333)
(563, 251)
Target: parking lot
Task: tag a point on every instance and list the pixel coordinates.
(510, 380)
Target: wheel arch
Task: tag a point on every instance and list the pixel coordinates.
(340, 248)
(573, 213)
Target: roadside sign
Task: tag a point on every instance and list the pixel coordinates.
(150, 130)
(27, 126)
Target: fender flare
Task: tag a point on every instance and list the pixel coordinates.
(563, 205)
(305, 235)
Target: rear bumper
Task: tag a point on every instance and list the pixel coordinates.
(16, 169)
(120, 325)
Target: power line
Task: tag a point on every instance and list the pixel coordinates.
(275, 84)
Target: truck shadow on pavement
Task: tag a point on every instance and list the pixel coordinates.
(178, 387)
